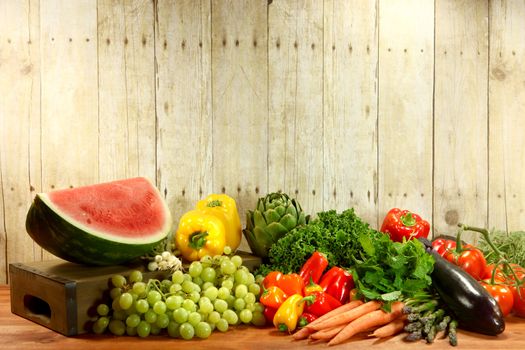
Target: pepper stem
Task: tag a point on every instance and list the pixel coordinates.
(214, 203)
(198, 240)
(408, 219)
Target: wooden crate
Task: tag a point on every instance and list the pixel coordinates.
(62, 296)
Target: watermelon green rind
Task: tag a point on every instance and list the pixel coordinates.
(72, 241)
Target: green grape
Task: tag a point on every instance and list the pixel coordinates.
(207, 285)
(230, 316)
(241, 290)
(189, 305)
(186, 331)
(173, 329)
(206, 308)
(131, 331)
(245, 316)
(198, 281)
(251, 279)
(115, 293)
(125, 300)
(150, 316)
(175, 287)
(208, 274)
(174, 301)
(135, 276)
(187, 277)
(258, 307)
(177, 277)
(220, 305)
(142, 306)
(202, 330)
(117, 327)
(241, 277)
(118, 281)
(239, 304)
(195, 269)
(250, 298)
(227, 283)
(194, 296)
(100, 325)
(102, 309)
(165, 285)
(213, 317)
(180, 315)
(159, 307)
(206, 260)
(133, 320)
(204, 300)
(227, 250)
(153, 297)
(237, 260)
(188, 286)
(143, 329)
(254, 288)
(228, 267)
(119, 315)
(259, 279)
(194, 318)
(162, 321)
(155, 330)
(222, 325)
(223, 293)
(230, 300)
(258, 319)
(250, 306)
(211, 293)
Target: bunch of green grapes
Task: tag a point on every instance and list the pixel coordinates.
(215, 293)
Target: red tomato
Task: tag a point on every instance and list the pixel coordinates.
(503, 295)
(519, 300)
(442, 245)
(470, 259)
(500, 277)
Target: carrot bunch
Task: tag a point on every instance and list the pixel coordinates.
(352, 318)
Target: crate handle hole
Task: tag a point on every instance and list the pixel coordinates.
(37, 307)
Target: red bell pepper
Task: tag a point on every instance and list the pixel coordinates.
(319, 303)
(399, 224)
(313, 268)
(273, 297)
(291, 284)
(269, 313)
(337, 282)
(305, 319)
(271, 279)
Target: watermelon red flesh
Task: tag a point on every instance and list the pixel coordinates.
(103, 224)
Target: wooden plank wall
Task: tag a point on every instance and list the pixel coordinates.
(366, 104)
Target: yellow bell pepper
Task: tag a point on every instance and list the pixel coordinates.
(200, 234)
(288, 313)
(224, 207)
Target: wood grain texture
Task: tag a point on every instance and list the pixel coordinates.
(506, 111)
(240, 100)
(126, 85)
(19, 123)
(185, 142)
(20, 333)
(295, 126)
(460, 166)
(350, 107)
(405, 125)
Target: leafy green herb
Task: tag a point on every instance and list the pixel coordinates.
(512, 244)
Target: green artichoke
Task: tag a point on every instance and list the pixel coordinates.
(276, 214)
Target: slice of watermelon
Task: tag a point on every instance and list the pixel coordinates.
(103, 224)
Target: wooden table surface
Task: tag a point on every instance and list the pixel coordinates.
(18, 333)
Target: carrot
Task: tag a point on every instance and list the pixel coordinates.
(346, 316)
(304, 332)
(367, 321)
(391, 328)
(327, 333)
